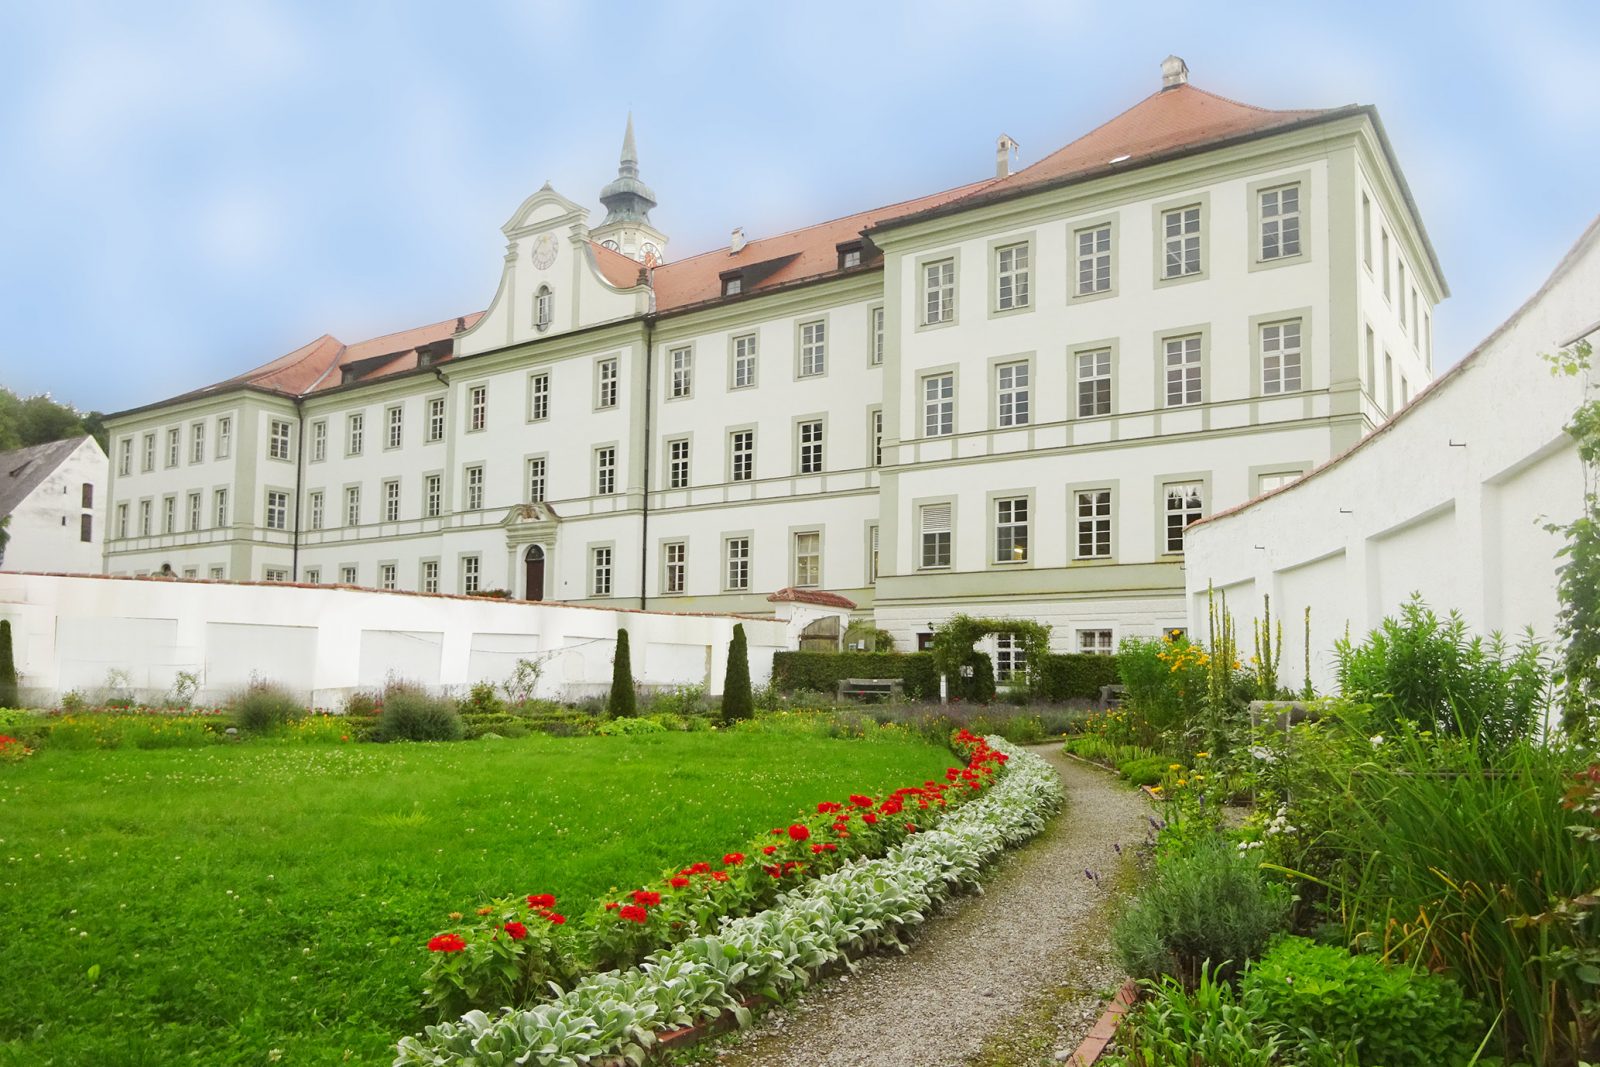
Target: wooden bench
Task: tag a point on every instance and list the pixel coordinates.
(1112, 696)
(870, 688)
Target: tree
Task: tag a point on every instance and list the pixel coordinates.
(621, 703)
(1578, 577)
(737, 700)
(8, 667)
(38, 420)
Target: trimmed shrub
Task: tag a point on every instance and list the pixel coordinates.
(625, 727)
(622, 703)
(265, 707)
(822, 671)
(411, 714)
(483, 699)
(1075, 676)
(979, 689)
(8, 668)
(738, 702)
(1145, 770)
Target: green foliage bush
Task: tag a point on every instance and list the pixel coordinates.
(8, 667)
(979, 688)
(1075, 676)
(483, 699)
(410, 713)
(1209, 1027)
(738, 702)
(1205, 903)
(622, 702)
(265, 707)
(1144, 770)
(627, 727)
(1321, 995)
(822, 671)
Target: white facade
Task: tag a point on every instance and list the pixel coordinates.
(1449, 501)
(55, 522)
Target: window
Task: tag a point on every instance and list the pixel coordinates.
(86, 527)
(278, 439)
(938, 405)
(355, 433)
(1185, 504)
(122, 520)
(872, 554)
(1416, 324)
(347, 574)
(1267, 482)
(276, 574)
(1094, 642)
(744, 361)
(144, 518)
(432, 495)
(471, 573)
(1011, 530)
(1383, 245)
(1366, 230)
(849, 256)
(808, 559)
(169, 514)
(1094, 383)
(1280, 222)
(536, 480)
(125, 456)
(543, 308)
(935, 535)
(538, 397)
(810, 433)
(737, 550)
(876, 429)
(678, 464)
(1011, 277)
(1183, 370)
(219, 507)
(682, 360)
(877, 336)
(314, 575)
(194, 511)
(474, 487)
(732, 285)
(217, 573)
(319, 440)
(147, 456)
(197, 442)
(314, 504)
(1405, 391)
(674, 565)
(477, 407)
(1400, 293)
(600, 571)
(1280, 357)
(1010, 658)
(175, 438)
(1388, 384)
(1181, 241)
(813, 349)
(1094, 524)
(391, 500)
(386, 576)
(1011, 394)
(742, 455)
(352, 505)
(430, 576)
(938, 292)
(224, 436)
(1094, 261)
(1372, 362)
(606, 391)
(396, 419)
(277, 510)
(86, 495)
(436, 419)
(605, 471)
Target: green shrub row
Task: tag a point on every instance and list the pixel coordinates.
(1061, 677)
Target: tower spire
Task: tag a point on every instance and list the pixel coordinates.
(628, 201)
(630, 154)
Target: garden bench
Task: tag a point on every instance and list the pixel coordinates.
(1112, 696)
(875, 688)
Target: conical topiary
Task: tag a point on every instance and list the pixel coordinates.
(8, 667)
(621, 703)
(737, 700)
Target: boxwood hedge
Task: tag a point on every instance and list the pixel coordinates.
(1062, 677)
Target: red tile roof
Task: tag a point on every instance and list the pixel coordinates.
(620, 270)
(792, 595)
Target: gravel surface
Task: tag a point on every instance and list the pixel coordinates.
(1014, 976)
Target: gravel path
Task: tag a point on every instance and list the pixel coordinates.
(1010, 977)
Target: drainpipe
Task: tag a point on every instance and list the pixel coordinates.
(644, 516)
(299, 479)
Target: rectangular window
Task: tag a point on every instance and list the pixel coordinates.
(86, 495)
(1416, 324)
(744, 361)
(396, 422)
(1094, 261)
(122, 520)
(678, 464)
(314, 505)
(605, 471)
(938, 292)
(938, 405)
(277, 510)
(1268, 482)
(169, 515)
(197, 442)
(224, 436)
(1280, 222)
(432, 495)
(1185, 504)
(1011, 277)
(1183, 370)
(1094, 383)
(1010, 658)
(872, 554)
(477, 407)
(682, 361)
(147, 453)
(175, 437)
(811, 447)
(1383, 247)
(347, 574)
(430, 576)
(600, 571)
(1372, 362)
(536, 480)
(276, 574)
(314, 575)
(742, 455)
(278, 439)
(1366, 230)
(193, 502)
(935, 535)
(1400, 293)
(1011, 394)
(386, 576)
(474, 487)
(1280, 357)
(1011, 530)
(1181, 241)
(877, 336)
(877, 437)
(218, 573)
(219, 509)
(471, 574)
(1094, 642)
(391, 500)
(738, 559)
(674, 566)
(1094, 524)
(125, 457)
(436, 407)
(355, 433)
(144, 518)
(319, 440)
(606, 384)
(808, 559)
(813, 349)
(352, 506)
(1388, 384)
(86, 527)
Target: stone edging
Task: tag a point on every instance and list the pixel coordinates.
(1094, 1045)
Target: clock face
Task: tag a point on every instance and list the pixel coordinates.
(650, 253)
(611, 245)
(544, 250)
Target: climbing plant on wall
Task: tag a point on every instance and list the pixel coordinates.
(1578, 578)
(952, 642)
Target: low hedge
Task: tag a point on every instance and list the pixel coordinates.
(1062, 677)
(1076, 676)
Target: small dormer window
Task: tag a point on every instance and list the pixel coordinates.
(849, 255)
(732, 286)
(543, 308)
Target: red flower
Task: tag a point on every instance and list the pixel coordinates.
(733, 859)
(516, 930)
(613, 906)
(798, 832)
(645, 898)
(869, 818)
(699, 868)
(831, 847)
(842, 825)
(678, 881)
(718, 876)
(633, 914)
(816, 849)
(775, 871)
(769, 850)
(541, 900)
(860, 801)
(446, 943)
(911, 827)
(555, 918)
(827, 807)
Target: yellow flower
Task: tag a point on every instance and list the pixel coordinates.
(1155, 789)
(1202, 755)
(1183, 781)
(1174, 766)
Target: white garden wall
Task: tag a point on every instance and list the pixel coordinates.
(87, 633)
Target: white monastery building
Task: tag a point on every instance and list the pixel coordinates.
(50, 495)
(1007, 398)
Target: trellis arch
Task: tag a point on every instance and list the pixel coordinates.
(952, 642)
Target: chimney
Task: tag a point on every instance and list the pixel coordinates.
(1174, 72)
(736, 242)
(1005, 149)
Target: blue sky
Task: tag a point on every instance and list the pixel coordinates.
(192, 190)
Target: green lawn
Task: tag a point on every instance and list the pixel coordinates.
(213, 905)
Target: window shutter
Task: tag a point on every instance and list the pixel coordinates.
(936, 518)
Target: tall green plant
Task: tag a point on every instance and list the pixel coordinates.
(8, 667)
(738, 702)
(1269, 652)
(622, 703)
(1578, 578)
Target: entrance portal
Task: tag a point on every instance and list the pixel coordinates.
(533, 567)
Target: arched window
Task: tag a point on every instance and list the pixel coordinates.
(543, 308)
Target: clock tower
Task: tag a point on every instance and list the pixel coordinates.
(628, 201)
